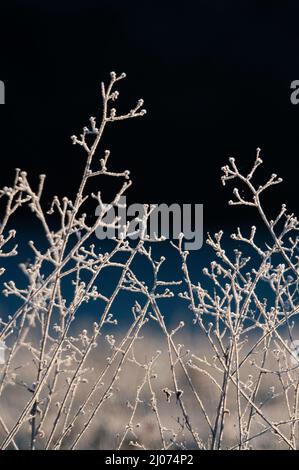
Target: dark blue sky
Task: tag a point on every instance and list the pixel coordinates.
(215, 76)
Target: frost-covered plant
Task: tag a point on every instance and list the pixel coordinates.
(69, 381)
(244, 314)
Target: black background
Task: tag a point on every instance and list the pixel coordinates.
(215, 76)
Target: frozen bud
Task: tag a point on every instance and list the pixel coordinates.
(114, 95)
